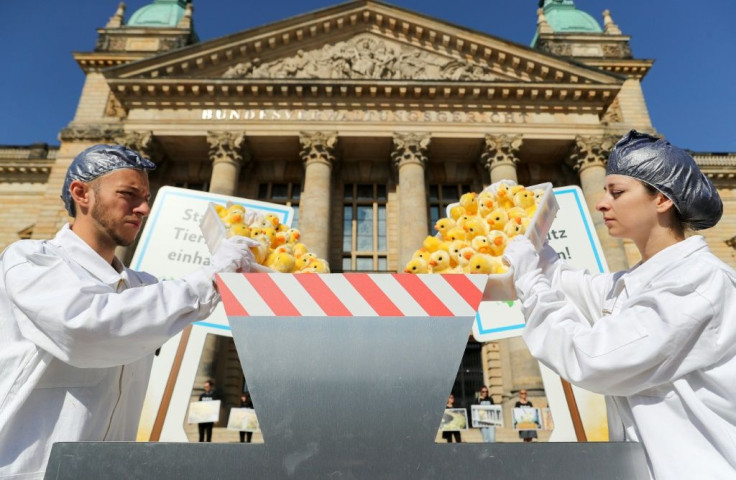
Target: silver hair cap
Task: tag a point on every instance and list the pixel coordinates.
(670, 170)
(97, 161)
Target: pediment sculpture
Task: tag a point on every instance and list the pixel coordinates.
(364, 57)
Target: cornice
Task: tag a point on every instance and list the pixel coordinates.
(632, 68)
(25, 171)
(96, 61)
(720, 168)
(182, 93)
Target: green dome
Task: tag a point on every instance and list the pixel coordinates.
(161, 13)
(563, 17)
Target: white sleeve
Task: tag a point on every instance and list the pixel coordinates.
(87, 324)
(662, 334)
(585, 290)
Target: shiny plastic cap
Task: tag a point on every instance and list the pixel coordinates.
(97, 161)
(672, 171)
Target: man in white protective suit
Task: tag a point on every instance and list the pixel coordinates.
(79, 329)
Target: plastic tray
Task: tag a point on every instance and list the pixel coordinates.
(500, 287)
(214, 232)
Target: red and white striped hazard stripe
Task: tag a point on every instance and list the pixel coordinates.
(350, 294)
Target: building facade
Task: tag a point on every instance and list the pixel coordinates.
(368, 119)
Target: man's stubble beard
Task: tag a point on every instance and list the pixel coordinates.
(101, 215)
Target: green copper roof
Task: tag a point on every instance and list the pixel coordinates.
(563, 17)
(161, 13)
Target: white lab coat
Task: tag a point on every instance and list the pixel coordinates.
(77, 343)
(659, 340)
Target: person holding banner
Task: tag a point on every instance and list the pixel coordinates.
(659, 339)
(79, 329)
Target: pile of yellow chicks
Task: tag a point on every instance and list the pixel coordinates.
(473, 238)
(279, 247)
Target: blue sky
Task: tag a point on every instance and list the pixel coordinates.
(690, 91)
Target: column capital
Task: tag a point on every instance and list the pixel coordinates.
(227, 147)
(318, 147)
(144, 143)
(410, 148)
(591, 151)
(500, 150)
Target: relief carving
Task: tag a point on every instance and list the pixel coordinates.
(410, 148)
(94, 132)
(142, 142)
(591, 151)
(114, 108)
(500, 149)
(318, 146)
(364, 57)
(227, 147)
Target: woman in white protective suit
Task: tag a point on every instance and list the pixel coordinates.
(659, 339)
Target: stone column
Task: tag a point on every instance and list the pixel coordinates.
(588, 158)
(500, 156)
(409, 156)
(318, 155)
(228, 156)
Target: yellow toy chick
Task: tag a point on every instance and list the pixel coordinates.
(514, 227)
(525, 199)
(431, 243)
(456, 212)
(473, 227)
(239, 229)
(317, 265)
(481, 244)
(456, 233)
(282, 262)
(469, 202)
(440, 262)
(497, 219)
(480, 263)
(497, 241)
(416, 266)
(443, 225)
(504, 196)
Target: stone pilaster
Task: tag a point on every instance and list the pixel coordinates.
(588, 158)
(500, 156)
(228, 156)
(318, 155)
(410, 156)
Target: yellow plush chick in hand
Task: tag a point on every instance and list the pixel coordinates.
(239, 229)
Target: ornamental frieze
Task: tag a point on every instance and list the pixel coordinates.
(364, 57)
(94, 132)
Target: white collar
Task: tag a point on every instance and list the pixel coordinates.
(87, 258)
(643, 272)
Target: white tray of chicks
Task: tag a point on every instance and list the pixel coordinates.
(474, 235)
(279, 249)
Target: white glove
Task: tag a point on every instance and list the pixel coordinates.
(234, 255)
(251, 217)
(521, 255)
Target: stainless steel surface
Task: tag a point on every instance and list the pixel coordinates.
(348, 398)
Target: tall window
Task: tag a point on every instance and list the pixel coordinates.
(364, 246)
(284, 193)
(440, 196)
